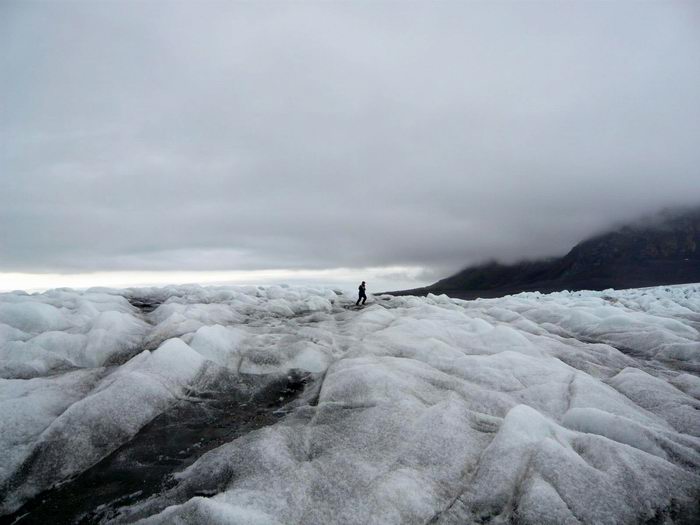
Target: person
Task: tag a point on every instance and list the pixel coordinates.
(363, 295)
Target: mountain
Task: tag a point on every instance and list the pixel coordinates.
(665, 250)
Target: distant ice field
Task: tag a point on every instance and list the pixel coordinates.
(566, 408)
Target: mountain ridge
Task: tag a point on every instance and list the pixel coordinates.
(664, 250)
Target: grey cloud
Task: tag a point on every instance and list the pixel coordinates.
(214, 136)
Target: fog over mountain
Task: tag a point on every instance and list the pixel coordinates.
(216, 136)
(660, 250)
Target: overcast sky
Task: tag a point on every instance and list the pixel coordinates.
(176, 136)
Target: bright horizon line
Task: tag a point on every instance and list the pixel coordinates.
(384, 278)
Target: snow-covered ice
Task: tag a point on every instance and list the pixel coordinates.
(572, 407)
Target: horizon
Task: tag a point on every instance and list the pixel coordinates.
(382, 279)
(345, 279)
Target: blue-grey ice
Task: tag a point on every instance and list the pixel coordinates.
(572, 407)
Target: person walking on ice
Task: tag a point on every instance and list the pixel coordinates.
(363, 295)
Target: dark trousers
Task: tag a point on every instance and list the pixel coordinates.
(362, 297)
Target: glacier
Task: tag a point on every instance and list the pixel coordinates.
(280, 404)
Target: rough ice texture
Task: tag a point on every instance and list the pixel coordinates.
(577, 407)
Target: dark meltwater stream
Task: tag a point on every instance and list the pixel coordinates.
(217, 410)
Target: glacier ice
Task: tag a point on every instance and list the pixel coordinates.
(571, 407)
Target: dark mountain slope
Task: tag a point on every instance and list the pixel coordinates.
(665, 251)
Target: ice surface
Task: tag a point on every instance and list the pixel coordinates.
(40, 334)
(661, 398)
(572, 407)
